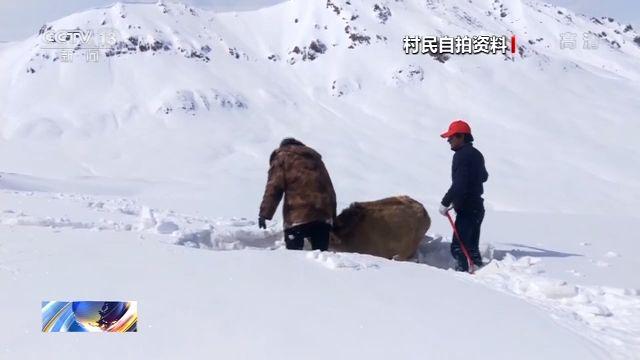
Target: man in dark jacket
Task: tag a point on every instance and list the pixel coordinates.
(468, 173)
(297, 172)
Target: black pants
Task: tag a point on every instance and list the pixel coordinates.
(316, 232)
(468, 222)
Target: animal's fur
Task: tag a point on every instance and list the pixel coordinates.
(390, 228)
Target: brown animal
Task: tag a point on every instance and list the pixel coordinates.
(298, 172)
(390, 228)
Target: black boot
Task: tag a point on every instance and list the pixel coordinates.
(462, 265)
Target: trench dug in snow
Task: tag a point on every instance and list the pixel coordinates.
(607, 316)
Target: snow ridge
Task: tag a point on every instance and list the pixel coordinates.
(606, 316)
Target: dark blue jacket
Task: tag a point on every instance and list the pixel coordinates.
(467, 175)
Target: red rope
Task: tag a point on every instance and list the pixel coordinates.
(464, 249)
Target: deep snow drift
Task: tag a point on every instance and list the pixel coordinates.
(253, 299)
(139, 177)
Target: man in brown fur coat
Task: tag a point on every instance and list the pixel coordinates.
(297, 172)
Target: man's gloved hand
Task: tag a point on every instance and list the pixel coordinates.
(262, 223)
(444, 209)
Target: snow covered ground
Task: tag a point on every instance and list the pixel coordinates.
(139, 177)
(560, 296)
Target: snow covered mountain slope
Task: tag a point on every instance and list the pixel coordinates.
(201, 98)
